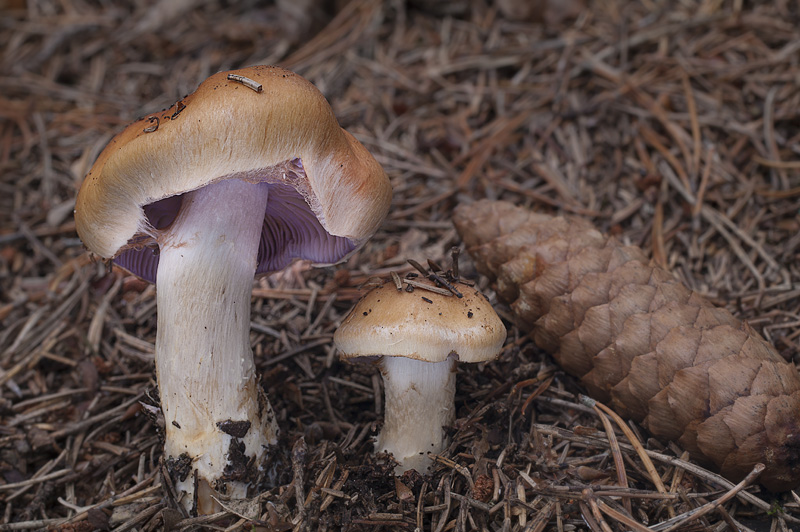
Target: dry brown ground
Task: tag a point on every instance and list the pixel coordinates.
(673, 124)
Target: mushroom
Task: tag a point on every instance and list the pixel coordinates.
(246, 174)
(419, 334)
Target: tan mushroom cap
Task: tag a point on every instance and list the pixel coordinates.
(421, 325)
(227, 129)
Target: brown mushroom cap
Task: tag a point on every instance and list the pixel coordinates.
(224, 130)
(422, 325)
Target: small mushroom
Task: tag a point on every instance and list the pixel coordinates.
(419, 336)
(246, 174)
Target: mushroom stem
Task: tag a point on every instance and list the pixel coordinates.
(218, 421)
(420, 401)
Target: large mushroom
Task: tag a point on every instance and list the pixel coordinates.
(418, 336)
(246, 174)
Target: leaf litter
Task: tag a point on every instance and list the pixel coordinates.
(671, 125)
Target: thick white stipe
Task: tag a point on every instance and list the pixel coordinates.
(419, 402)
(204, 363)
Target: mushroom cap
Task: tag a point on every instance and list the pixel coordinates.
(422, 325)
(284, 134)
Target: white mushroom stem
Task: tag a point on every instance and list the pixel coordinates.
(204, 363)
(420, 401)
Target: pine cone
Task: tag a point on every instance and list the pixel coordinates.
(642, 342)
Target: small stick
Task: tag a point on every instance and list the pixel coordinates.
(619, 463)
(433, 276)
(38, 524)
(428, 287)
(695, 514)
(701, 189)
(419, 504)
(596, 513)
(397, 281)
(455, 251)
(472, 502)
(542, 517)
(456, 466)
(439, 279)
(417, 266)
(336, 488)
(621, 517)
(702, 473)
(586, 513)
(522, 516)
(770, 163)
(634, 441)
(434, 267)
(247, 82)
(31, 481)
(536, 393)
(695, 123)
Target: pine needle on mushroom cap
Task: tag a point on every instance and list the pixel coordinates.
(426, 323)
